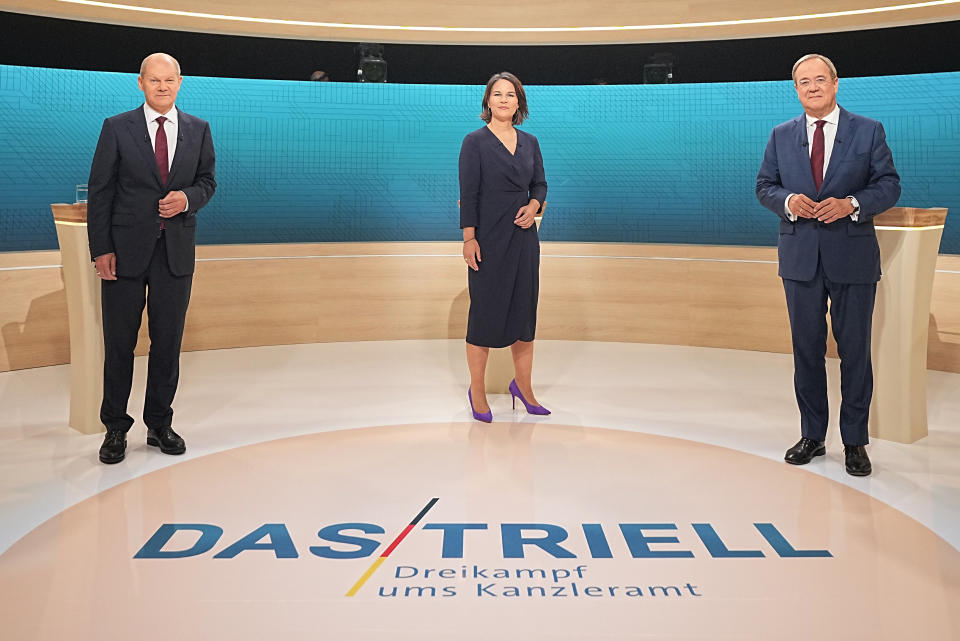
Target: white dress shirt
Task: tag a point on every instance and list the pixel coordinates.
(829, 136)
(170, 128)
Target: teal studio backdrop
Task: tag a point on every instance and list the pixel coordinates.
(322, 162)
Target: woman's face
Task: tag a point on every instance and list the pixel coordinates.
(503, 100)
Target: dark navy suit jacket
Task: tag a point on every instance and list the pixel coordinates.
(124, 190)
(861, 166)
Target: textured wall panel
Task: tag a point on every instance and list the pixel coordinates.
(320, 162)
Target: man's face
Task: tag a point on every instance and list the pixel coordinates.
(160, 83)
(815, 87)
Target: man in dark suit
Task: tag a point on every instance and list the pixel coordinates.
(826, 174)
(152, 171)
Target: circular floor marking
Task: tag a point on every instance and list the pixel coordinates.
(539, 531)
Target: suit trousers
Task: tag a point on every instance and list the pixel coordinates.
(166, 297)
(851, 316)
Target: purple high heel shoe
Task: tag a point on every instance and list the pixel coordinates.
(486, 417)
(539, 410)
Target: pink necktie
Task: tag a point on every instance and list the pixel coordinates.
(816, 154)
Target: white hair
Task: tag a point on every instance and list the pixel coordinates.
(158, 56)
(826, 60)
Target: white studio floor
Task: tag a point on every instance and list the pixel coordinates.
(639, 434)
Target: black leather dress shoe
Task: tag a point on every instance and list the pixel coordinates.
(804, 451)
(167, 440)
(114, 447)
(858, 463)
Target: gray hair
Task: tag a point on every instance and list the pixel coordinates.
(829, 63)
(155, 56)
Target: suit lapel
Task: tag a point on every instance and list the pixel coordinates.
(137, 123)
(841, 146)
(803, 155)
(184, 132)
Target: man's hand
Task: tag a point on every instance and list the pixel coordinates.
(832, 209)
(802, 206)
(172, 204)
(106, 266)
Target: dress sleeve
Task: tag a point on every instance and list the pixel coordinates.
(538, 183)
(469, 182)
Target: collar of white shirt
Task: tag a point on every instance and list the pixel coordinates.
(151, 114)
(833, 118)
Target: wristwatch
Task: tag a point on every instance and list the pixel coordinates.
(856, 205)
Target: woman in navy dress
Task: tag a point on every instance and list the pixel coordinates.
(502, 187)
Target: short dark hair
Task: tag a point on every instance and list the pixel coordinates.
(522, 112)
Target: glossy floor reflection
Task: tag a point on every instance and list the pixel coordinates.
(656, 492)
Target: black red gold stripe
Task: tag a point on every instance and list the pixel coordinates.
(376, 564)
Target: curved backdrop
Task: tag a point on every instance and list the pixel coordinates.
(322, 162)
(502, 21)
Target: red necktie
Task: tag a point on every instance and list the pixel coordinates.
(160, 151)
(816, 154)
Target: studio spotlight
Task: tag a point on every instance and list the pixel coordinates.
(371, 66)
(659, 68)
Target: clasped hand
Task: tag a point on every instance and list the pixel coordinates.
(172, 204)
(826, 211)
(525, 215)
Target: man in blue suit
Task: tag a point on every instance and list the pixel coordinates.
(152, 171)
(826, 174)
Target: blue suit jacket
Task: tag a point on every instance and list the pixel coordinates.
(125, 189)
(861, 166)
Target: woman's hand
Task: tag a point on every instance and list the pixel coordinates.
(471, 254)
(526, 213)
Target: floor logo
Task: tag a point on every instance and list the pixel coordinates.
(592, 530)
(515, 538)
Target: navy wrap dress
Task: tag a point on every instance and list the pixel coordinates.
(494, 185)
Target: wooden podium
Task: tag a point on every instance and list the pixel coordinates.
(83, 308)
(909, 243)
